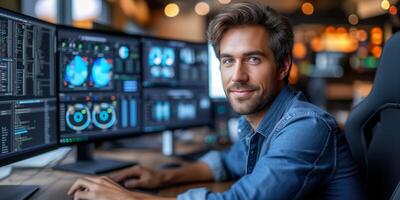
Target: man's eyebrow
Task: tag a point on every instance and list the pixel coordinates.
(252, 53)
(249, 53)
(225, 55)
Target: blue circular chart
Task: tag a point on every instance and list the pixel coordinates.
(123, 52)
(155, 56)
(101, 72)
(168, 57)
(76, 71)
(167, 72)
(155, 71)
(187, 56)
(104, 115)
(78, 117)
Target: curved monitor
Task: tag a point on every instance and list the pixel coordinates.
(28, 96)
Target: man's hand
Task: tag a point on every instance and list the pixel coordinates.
(103, 188)
(138, 177)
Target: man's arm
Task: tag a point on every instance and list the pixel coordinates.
(300, 160)
(214, 165)
(198, 171)
(142, 177)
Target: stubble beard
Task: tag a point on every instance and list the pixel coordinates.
(250, 106)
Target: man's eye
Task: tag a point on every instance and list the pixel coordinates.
(227, 61)
(254, 60)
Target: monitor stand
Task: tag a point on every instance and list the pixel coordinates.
(85, 163)
(17, 192)
(168, 143)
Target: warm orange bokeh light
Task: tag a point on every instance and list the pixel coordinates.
(307, 8)
(341, 30)
(299, 50)
(376, 51)
(294, 74)
(362, 35)
(316, 44)
(353, 19)
(202, 8)
(171, 10)
(376, 36)
(330, 29)
(393, 10)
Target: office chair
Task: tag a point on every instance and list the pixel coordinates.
(373, 127)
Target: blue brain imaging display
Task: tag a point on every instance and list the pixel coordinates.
(101, 72)
(160, 62)
(99, 93)
(76, 71)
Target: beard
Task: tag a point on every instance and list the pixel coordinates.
(252, 105)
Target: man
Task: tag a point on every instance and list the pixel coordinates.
(287, 148)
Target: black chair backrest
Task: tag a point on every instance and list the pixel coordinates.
(396, 193)
(373, 126)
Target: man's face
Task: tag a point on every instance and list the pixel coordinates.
(249, 73)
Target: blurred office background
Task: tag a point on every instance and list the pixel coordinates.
(337, 43)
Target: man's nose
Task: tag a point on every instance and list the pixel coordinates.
(240, 73)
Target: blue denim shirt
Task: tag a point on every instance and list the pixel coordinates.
(296, 152)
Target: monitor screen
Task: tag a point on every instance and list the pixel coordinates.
(99, 87)
(216, 89)
(330, 64)
(175, 108)
(174, 63)
(182, 101)
(28, 97)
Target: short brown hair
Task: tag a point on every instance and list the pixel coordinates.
(277, 26)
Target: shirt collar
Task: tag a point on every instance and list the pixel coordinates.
(273, 115)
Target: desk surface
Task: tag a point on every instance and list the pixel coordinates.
(55, 184)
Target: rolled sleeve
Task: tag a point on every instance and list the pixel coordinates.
(194, 194)
(215, 162)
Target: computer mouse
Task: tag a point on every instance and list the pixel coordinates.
(171, 165)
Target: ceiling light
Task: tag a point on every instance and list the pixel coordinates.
(171, 10)
(307, 8)
(202, 8)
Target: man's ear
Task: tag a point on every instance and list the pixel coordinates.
(285, 67)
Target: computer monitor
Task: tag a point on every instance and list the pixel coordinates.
(99, 92)
(28, 96)
(180, 101)
(216, 89)
(330, 64)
